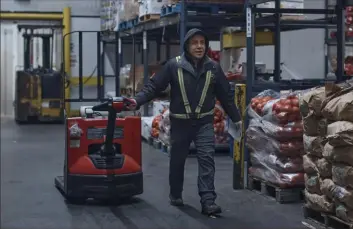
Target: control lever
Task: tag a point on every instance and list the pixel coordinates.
(113, 106)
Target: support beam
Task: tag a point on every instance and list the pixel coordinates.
(66, 21)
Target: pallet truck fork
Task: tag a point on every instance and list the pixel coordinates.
(103, 155)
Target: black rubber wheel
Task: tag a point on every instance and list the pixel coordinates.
(76, 200)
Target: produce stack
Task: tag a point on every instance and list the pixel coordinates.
(328, 138)
(275, 139)
(338, 150)
(316, 167)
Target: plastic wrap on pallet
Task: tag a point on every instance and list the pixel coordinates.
(283, 180)
(258, 140)
(164, 128)
(279, 164)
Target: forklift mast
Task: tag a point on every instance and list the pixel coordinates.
(47, 49)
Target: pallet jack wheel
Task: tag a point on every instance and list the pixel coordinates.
(59, 184)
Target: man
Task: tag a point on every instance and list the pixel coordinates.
(196, 81)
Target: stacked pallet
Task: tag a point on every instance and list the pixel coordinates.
(328, 163)
(274, 138)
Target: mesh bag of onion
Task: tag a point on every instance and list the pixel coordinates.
(220, 125)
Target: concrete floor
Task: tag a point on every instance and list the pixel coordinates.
(31, 156)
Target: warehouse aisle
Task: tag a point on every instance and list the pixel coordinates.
(31, 156)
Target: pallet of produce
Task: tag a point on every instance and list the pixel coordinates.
(328, 144)
(281, 195)
(274, 138)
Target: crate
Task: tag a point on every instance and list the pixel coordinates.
(128, 24)
(325, 220)
(280, 194)
(149, 17)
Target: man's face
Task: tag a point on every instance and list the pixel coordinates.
(197, 46)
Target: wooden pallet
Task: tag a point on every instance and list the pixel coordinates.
(281, 195)
(149, 17)
(325, 220)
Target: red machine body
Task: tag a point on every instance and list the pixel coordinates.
(102, 154)
(78, 150)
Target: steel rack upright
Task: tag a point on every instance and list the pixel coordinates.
(335, 17)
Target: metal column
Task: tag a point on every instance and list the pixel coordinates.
(134, 65)
(145, 63)
(99, 71)
(182, 24)
(117, 64)
(277, 64)
(240, 168)
(341, 13)
(80, 67)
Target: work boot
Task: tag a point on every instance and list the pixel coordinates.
(211, 209)
(176, 201)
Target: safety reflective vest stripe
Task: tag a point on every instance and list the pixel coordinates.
(185, 99)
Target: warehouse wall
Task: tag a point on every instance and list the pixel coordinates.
(302, 51)
(78, 7)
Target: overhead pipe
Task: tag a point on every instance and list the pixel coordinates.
(31, 16)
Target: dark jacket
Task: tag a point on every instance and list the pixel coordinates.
(194, 80)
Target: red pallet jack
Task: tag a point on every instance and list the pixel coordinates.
(102, 155)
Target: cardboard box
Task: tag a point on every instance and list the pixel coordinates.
(139, 75)
(151, 6)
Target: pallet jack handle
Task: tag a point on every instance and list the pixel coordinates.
(113, 106)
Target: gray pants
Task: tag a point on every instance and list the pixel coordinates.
(181, 135)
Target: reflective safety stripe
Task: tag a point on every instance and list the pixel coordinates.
(204, 93)
(188, 114)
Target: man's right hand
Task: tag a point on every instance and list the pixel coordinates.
(132, 104)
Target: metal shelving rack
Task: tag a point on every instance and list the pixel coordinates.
(171, 29)
(331, 42)
(331, 17)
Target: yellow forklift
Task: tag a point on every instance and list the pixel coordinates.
(38, 91)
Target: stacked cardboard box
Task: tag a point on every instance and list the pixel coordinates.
(128, 10)
(151, 7)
